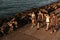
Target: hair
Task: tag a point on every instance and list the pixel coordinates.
(54, 13)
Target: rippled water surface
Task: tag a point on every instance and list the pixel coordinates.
(13, 6)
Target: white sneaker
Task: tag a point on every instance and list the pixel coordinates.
(54, 30)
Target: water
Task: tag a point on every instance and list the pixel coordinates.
(14, 6)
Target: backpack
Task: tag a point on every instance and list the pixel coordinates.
(39, 17)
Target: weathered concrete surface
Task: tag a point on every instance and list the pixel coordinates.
(28, 33)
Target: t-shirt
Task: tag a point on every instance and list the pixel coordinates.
(33, 16)
(47, 19)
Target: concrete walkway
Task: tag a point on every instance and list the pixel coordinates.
(28, 33)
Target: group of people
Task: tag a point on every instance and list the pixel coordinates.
(50, 21)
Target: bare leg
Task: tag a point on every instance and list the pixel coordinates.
(47, 27)
(33, 23)
(38, 26)
(52, 29)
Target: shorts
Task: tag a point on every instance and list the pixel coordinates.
(52, 25)
(40, 21)
(47, 22)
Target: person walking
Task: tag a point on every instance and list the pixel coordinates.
(53, 23)
(47, 21)
(33, 18)
(40, 20)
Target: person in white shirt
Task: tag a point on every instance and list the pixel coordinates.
(47, 21)
(33, 18)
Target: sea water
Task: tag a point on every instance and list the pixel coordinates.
(8, 7)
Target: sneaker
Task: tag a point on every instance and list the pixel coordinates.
(54, 30)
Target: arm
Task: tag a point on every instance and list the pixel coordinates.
(42, 16)
(56, 21)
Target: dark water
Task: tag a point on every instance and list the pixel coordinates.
(13, 6)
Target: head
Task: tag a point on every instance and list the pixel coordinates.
(46, 14)
(39, 12)
(53, 14)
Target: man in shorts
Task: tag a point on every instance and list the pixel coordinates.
(40, 19)
(53, 23)
(33, 18)
(47, 21)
